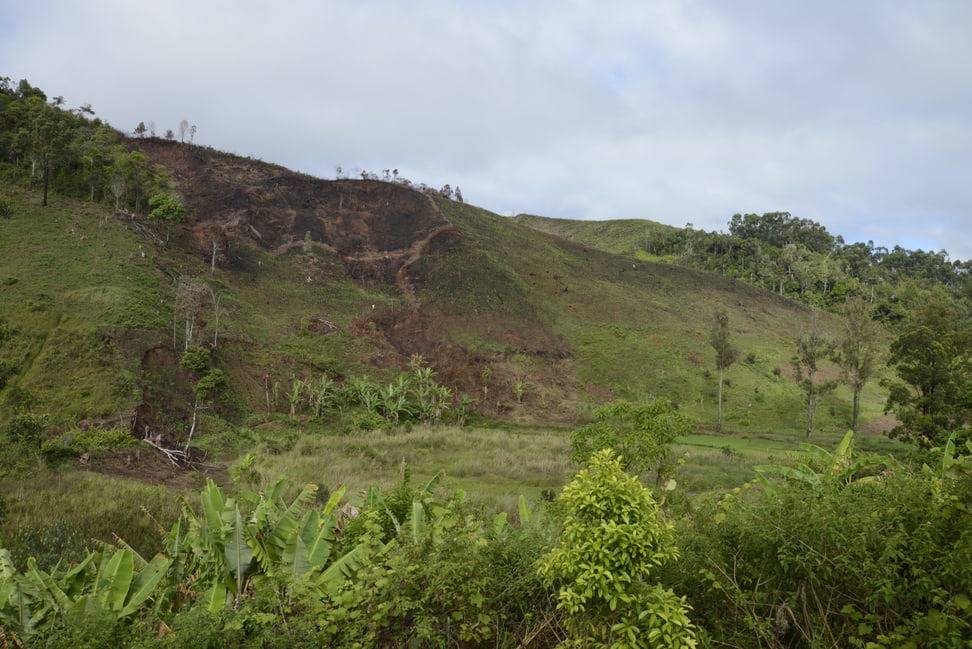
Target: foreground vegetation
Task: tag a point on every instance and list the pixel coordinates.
(507, 440)
(840, 549)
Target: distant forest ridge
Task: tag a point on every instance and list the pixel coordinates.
(791, 256)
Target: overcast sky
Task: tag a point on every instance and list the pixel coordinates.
(854, 113)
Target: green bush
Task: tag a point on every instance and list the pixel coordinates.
(27, 429)
(613, 538)
(167, 208)
(48, 542)
(641, 434)
(881, 562)
(92, 441)
(365, 420)
(195, 358)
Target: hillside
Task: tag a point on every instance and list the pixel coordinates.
(620, 236)
(353, 277)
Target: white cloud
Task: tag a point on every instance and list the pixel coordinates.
(858, 115)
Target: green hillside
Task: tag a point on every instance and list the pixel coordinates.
(488, 303)
(620, 236)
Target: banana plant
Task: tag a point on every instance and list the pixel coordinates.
(230, 553)
(231, 548)
(118, 584)
(838, 468)
(955, 466)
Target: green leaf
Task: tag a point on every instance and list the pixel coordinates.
(214, 599)
(335, 499)
(237, 554)
(526, 516)
(344, 567)
(319, 539)
(417, 522)
(145, 583)
(114, 580)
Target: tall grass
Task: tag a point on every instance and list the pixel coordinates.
(490, 465)
(54, 515)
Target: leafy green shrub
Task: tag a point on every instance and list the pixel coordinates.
(641, 434)
(449, 578)
(876, 563)
(195, 358)
(6, 210)
(212, 382)
(167, 208)
(92, 441)
(27, 429)
(365, 420)
(613, 537)
(47, 542)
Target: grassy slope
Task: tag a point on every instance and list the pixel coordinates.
(620, 236)
(640, 329)
(79, 288)
(84, 300)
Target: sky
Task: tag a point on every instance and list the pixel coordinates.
(856, 114)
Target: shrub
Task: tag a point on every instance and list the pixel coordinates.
(27, 429)
(641, 434)
(613, 537)
(364, 421)
(195, 358)
(876, 563)
(167, 208)
(94, 440)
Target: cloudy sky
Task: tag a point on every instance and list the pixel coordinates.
(854, 113)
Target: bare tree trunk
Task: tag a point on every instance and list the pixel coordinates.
(266, 386)
(217, 297)
(190, 322)
(192, 427)
(719, 416)
(811, 408)
(857, 408)
(47, 178)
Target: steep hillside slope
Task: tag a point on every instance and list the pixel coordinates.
(307, 277)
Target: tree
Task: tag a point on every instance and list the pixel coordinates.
(95, 146)
(140, 129)
(725, 353)
(932, 360)
(612, 538)
(811, 349)
(210, 382)
(192, 296)
(858, 349)
(48, 136)
(167, 208)
(183, 129)
(131, 175)
(641, 434)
